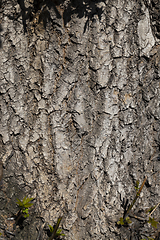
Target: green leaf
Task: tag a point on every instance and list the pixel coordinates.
(152, 222)
(59, 231)
(121, 221)
(51, 228)
(27, 200)
(24, 200)
(26, 215)
(128, 220)
(19, 203)
(25, 210)
(27, 205)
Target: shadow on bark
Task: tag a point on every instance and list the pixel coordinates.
(87, 9)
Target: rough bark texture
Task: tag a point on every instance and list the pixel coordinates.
(80, 116)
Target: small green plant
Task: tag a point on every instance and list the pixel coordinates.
(24, 206)
(126, 220)
(153, 222)
(56, 232)
(121, 221)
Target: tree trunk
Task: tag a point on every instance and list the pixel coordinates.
(80, 116)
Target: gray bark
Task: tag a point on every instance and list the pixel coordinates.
(80, 116)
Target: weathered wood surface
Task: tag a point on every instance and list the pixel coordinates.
(80, 114)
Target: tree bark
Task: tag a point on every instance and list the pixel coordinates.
(80, 116)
